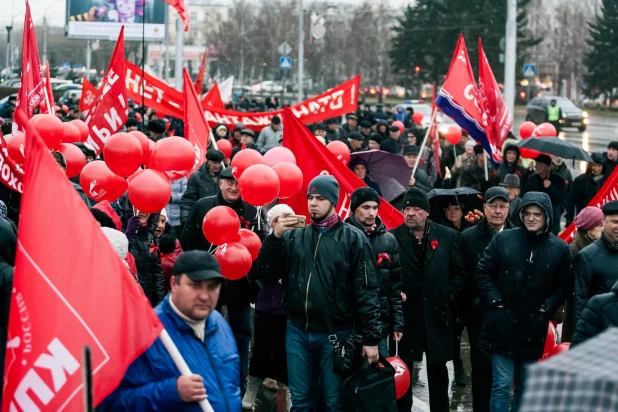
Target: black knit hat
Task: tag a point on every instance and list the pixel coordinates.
(376, 137)
(325, 185)
(613, 145)
(276, 120)
(215, 155)
(416, 197)
(362, 195)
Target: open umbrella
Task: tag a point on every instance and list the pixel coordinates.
(469, 199)
(583, 379)
(556, 147)
(389, 171)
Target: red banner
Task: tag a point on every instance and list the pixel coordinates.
(196, 129)
(335, 102)
(157, 94)
(607, 193)
(213, 99)
(315, 159)
(32, 89)
(89, 96)
(109, 112)
(11, 175)
(199, 82)
(71, 292)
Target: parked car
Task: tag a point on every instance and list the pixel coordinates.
(600, 102)
(572, 116)
(266, 86)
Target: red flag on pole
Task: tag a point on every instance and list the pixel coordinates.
(433, 132)
(199, 82)
(11, 175)
(313, 158)
(181, 8)
(32, 89)
(89, 96)
(49, 101)
(196, 129)
(67, 293)
(498, 116)
(109, 112)
(213, 99)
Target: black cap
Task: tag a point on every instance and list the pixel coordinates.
(351, 116)
(362, 195)
(543, 159)
(496, 192)
(356, 136)
(366, 124)
(215, 155)
(320, 126)
(198, 265)
(411, 149)
(613, 145)
(227, 174)
(416, 197)
(248, 132)
(276, 120)
(376, 137)
(610, 208)
(393, 129)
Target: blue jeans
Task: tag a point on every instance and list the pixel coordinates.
(310, 360)
(507, 370)
(239, 315)
(383, 347)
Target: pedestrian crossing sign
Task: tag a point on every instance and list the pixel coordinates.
(285, 63)
(529, 70)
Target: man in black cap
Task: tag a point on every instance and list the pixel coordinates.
(157, 129)
(512, 186)
(474, 176)
(132, 124)
(364, 206)
(247, 141)
(388, 111)
(333, 132)
(510, 164)
(596, 266)
(355, 142)
(379, 113)
(331, 292)
(365, 129)
(546, 181)
(349, 127)
(374, 141)
(392, 144)
(270, 135)
(611, 157)
(237, 295)
(432, 276)
(203, 183)
(320, 130)
(472, 243)
(420, 178)
(202, 336)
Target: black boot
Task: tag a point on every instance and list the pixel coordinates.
(460, 373)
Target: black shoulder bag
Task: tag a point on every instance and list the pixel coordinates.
(370, 388)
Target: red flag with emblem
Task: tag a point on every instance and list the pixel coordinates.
(196, 129)
(68, 293)
(89, 96)
(213, 99)
(199, 82)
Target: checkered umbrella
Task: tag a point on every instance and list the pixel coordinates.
(583, 379)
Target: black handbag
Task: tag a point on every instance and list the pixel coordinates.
(370, 388)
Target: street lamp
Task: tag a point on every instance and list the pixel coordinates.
(9, 67)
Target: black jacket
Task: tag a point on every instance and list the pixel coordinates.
(600, 313)
(557, 192)
(341, 295)
(201, 184)
(474, 178)
(523, 272)
(8, 247)
(507, 168)
(596, 271)
(247, 146)
(344, 132)
(386, 252)
(430, 290)
(143, 247)
(583, 189)
(391, 146)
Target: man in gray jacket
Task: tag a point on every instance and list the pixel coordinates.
(270, 135)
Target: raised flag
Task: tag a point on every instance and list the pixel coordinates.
(199, 82)
(459, 99)
(213, 98)
(196, 129)
(433, 132)
(32, 90)
(89, 96)
(156, 93)
(49, 101)
(67, 293)
(314, 159)
(109, 112)
(11, 175)
(499, 118)
(225, 89)
(181, 8)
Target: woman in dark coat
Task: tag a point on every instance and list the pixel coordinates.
(585, 187)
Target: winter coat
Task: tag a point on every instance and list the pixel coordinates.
(8, 248)
(427, 163)
(332, 135)
(580, 241)
(391, 146)
(610, 165)
(557, 192)
(149, 383)
(514, 207)
(523, 272)
(474, 178)
(344, 289)
(564, 172)
(344, 132)
(173, 207)
(583, 189)
(269, 137)
(386, 252)
(595, 271)
(515, 168)
(201, 184)
(467, 161)
(142, 245)
(600, 313)
(431, 291)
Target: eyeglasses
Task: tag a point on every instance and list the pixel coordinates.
(497, 207)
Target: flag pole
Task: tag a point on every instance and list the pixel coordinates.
(87, 376)
(485, 161)
(420, 152)
(181, 364)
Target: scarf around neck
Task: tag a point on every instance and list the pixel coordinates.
(327, 223)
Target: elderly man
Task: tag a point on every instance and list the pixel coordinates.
(350, 126)
(201, 334)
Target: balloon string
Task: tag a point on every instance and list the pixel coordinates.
(210, 249)
(396, 348)
(259, 216)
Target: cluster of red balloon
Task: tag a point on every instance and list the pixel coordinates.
(551, 348)
(529, 129)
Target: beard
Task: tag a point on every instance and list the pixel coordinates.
(318, 218)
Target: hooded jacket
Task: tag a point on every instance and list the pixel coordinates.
(514, 168)
(523, 272)
(600, 313)
(179, 187)
(201, 184)
(8, 248)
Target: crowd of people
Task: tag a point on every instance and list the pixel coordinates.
(502, 275)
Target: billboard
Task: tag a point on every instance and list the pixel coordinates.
(102, 19)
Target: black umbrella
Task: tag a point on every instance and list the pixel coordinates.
(556, 147)
(469, 200)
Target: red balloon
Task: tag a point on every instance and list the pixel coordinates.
(83, 129)
(290, 179)
(526, 129)
(221, 225)
(234, 259)
(71, 133)
(340, 150)
(244, 159)
(99, 183)
(558, 349)
(550, 341)
(123, 154)
(149, 191)
(225, 147)
(146, 145)
(399, 125)
(65, 108)
(259, 185)
(16, 148)
(277, 155)
(49, 128)
(453, 134)
(173, 156)
(402, 376)
(418, 117)
(251, 241)
(545, 130)
(74, 157)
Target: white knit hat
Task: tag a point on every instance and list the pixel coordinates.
(277, 211)
(164, 213)
(119, 241)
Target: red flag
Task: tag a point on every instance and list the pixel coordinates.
(32, 89)
(49, 102)
(181, 8)
(607, 193)
(67, 293)
(196, 129)
(89, 95)
(498, 116)
(109, 113)
(213, 99)
(199, 82)
(11, 175)
(157, 94)
(314, 159)
(433, 132)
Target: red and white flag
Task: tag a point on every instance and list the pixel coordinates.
(199, 82)
(68, 292)
(11, 175)
(181, 8)
(109, 112)
(89, 96)
(498, 116)
(314, 159)
(32, 89)
(213, 98)
(196, 129)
